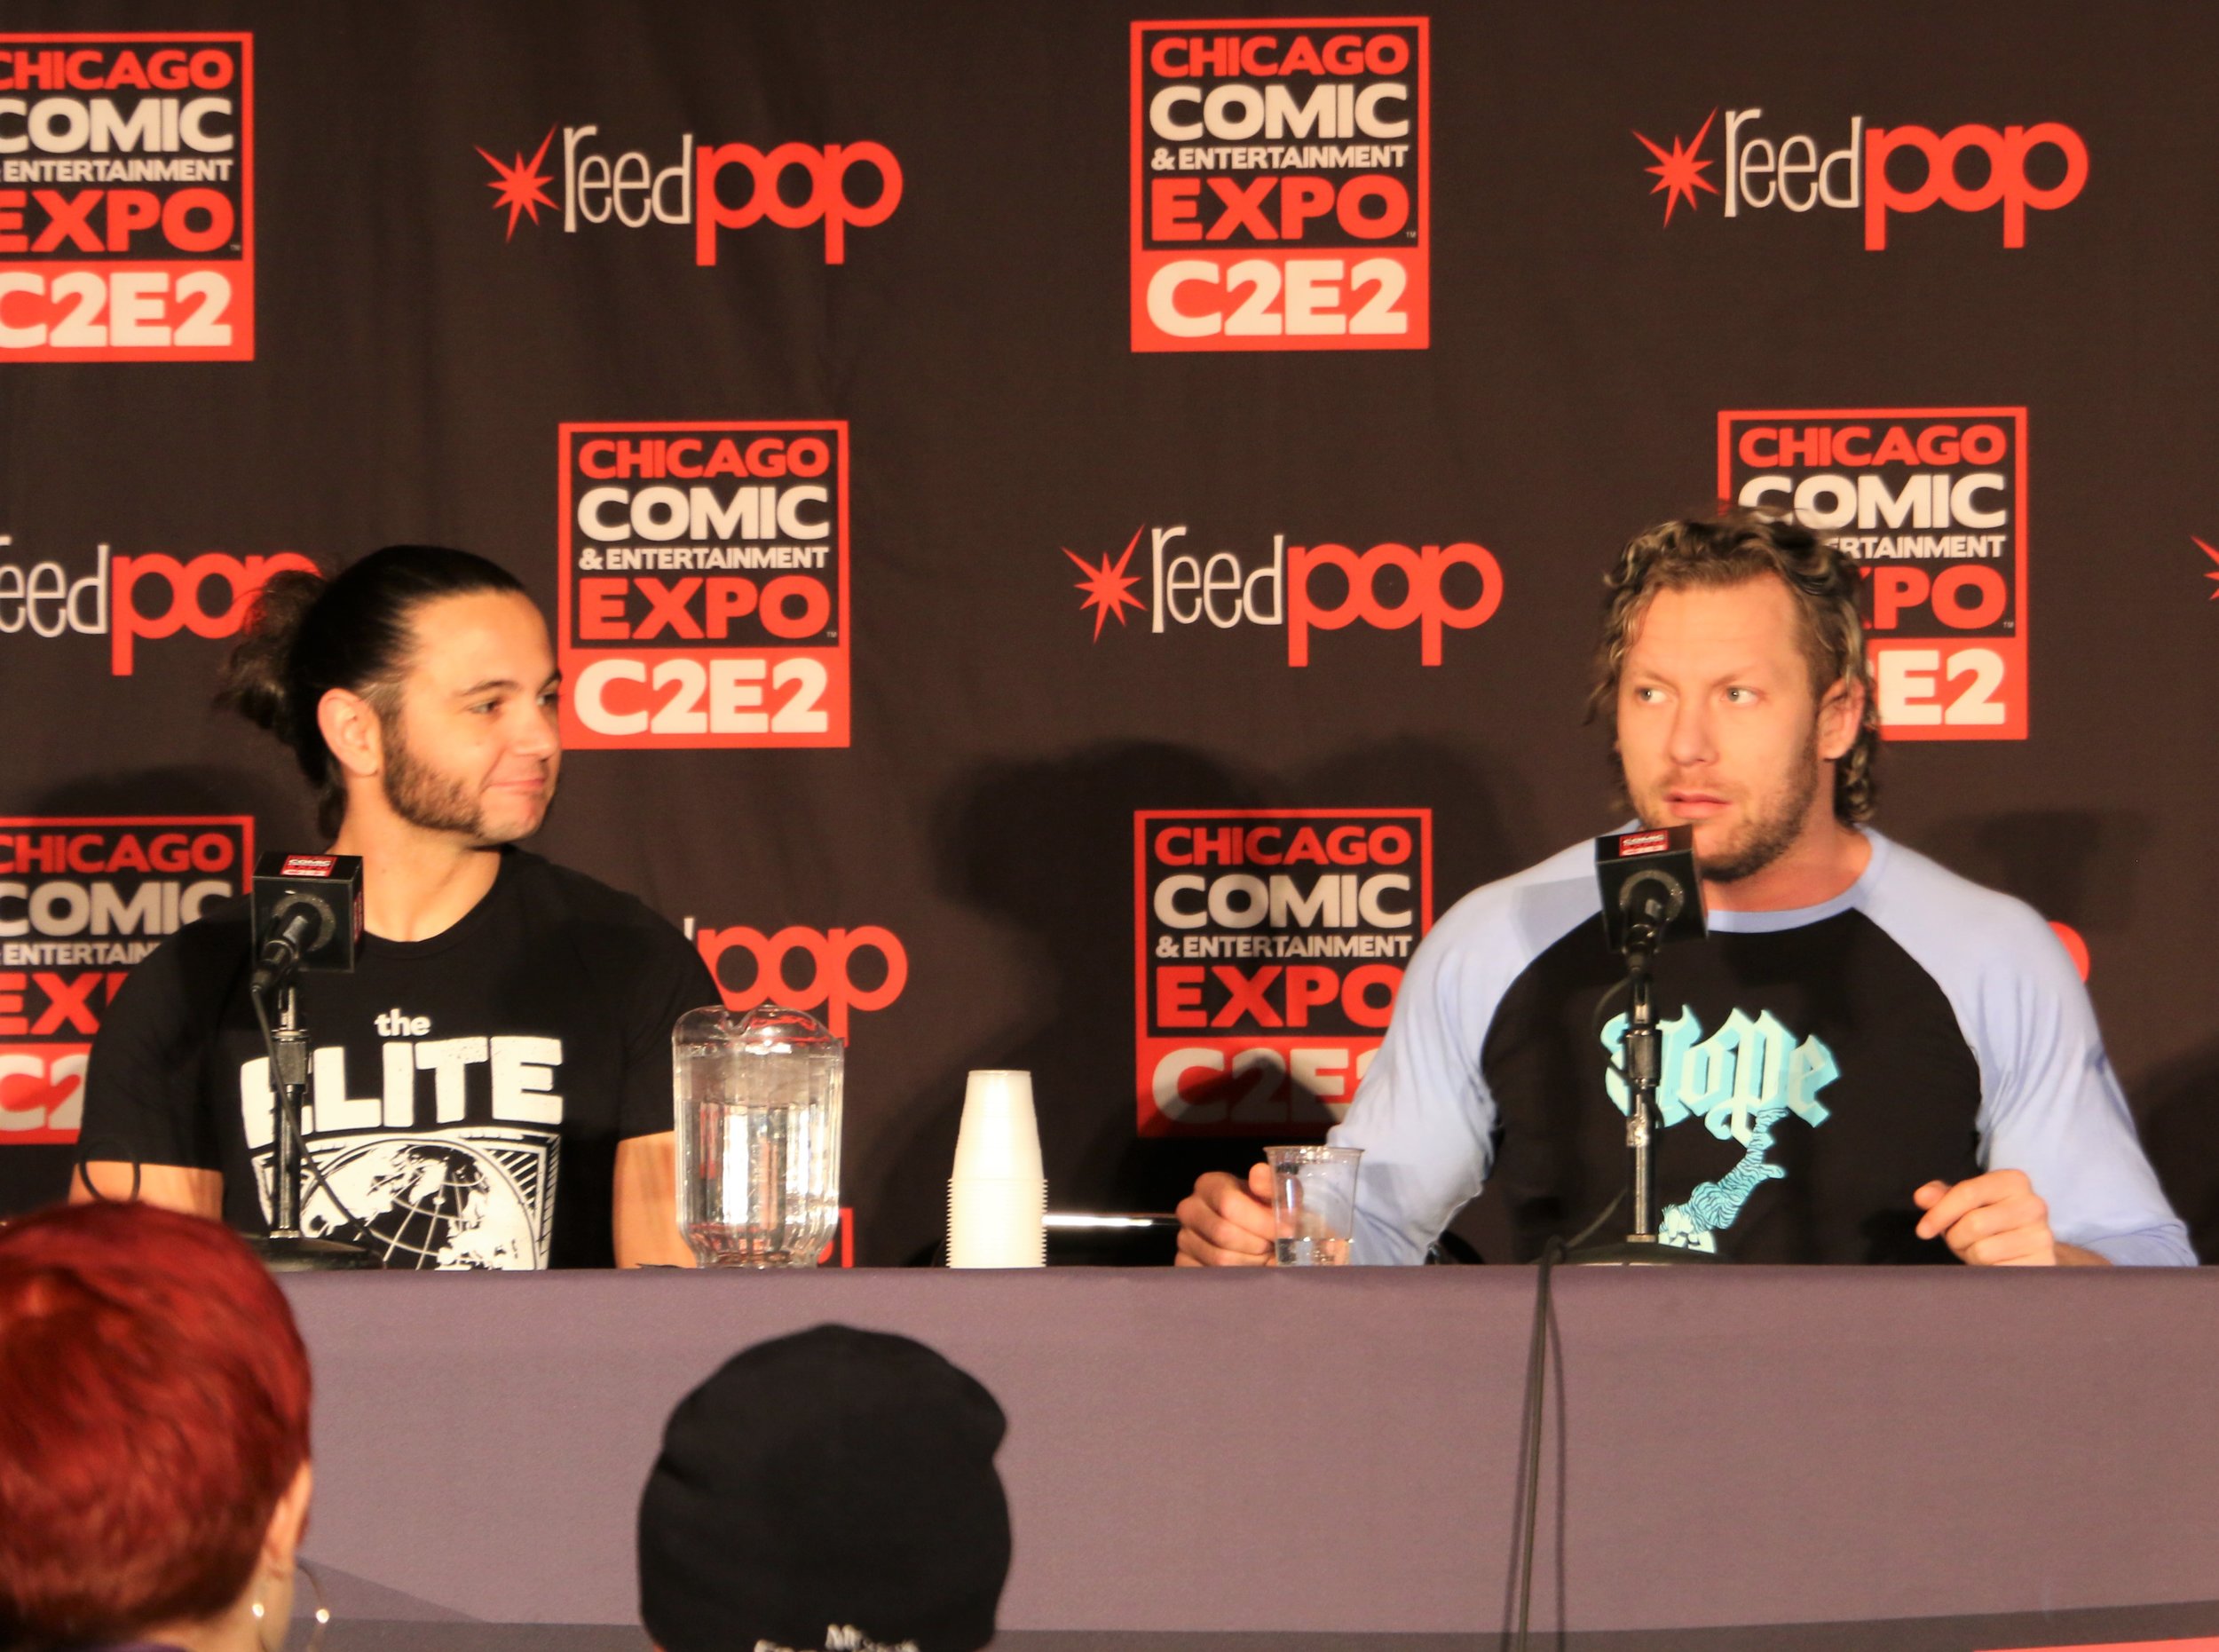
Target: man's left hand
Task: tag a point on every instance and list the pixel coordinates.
(1995, 1219)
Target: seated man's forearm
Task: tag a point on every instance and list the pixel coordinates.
(2162, 1247)
(173, 1187)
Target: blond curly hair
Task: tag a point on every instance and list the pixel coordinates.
(1739, 545)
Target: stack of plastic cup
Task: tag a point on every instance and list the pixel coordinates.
(997, 1197)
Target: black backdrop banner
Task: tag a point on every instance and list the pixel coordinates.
(973, 457)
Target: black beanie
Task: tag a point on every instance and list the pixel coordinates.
(837, 1484)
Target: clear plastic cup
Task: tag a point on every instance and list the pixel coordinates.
(1314, 1204)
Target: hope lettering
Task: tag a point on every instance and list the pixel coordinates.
(1734, 1080)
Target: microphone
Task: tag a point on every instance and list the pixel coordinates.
(1651, 892)
(307, 915)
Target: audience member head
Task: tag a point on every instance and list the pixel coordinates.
(153, 1442)
(833, 1489)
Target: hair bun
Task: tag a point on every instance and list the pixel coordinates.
(256, 680)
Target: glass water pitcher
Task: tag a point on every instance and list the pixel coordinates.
(758, 1106)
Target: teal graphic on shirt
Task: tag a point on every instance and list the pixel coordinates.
(1742, 1081)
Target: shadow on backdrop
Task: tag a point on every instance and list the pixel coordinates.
(2073, 866)
(1046, 848)
(2179, 1105)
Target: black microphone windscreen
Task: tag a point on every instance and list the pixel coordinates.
(328, 887)
(1648, 878)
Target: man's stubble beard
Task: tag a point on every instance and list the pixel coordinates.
(1771, 835)
(1768, 836)
(432, 801)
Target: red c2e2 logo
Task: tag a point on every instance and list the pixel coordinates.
(704, 584)
(1280, 173)
(127, 197)
(1930, 503)
(1269, 947)
(82, 900)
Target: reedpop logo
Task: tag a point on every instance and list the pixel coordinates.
(126, 598)
(1300, 588)
(1760, 171)
(832, 978)
(629, 191)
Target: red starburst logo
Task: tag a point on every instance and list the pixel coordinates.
(520, 185)
(2213, 555)
(1680, 171)
(1109, 588)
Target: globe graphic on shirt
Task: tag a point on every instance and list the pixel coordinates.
(430, 1202)
(434, 1201)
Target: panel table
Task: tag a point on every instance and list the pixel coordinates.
(1981, 1459)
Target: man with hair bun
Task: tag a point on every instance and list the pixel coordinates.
(1868, 1060)
(492, 1086)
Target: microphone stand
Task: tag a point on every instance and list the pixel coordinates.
(1640, 1248)
(287, 1249)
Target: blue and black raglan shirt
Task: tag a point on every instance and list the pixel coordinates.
(1818, 1065)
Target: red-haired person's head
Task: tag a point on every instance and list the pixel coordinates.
(154, 1434)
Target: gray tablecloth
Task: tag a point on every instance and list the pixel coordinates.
(1337, 1451)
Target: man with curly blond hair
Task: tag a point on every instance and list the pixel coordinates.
(1869, 1059)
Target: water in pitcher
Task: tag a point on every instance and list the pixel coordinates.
(758, 1117)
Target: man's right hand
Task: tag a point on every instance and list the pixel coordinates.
(1226, 1223)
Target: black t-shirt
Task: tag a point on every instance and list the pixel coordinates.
(467, 1092)
(1818, 1065)
(1810, 1079)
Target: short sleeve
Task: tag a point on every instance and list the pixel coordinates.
(1422, 1115)
(669, 980)
(2053, 1108)
(145, 1101)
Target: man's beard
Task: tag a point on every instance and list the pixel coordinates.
(1769, 836)
(431, 801)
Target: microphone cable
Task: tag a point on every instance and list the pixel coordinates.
(1530, 1437)
(315, 1169)
(1553, 1250)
